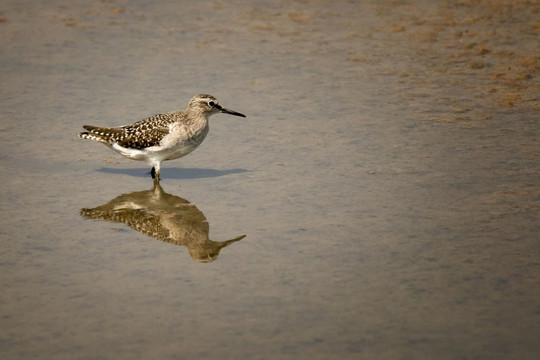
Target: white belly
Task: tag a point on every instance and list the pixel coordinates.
(170, 148)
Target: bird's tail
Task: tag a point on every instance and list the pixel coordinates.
(102, 134)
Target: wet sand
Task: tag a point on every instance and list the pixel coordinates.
(386, 179)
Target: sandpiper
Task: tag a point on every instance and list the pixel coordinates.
(161, 137)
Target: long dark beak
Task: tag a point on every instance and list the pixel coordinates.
(230, 112)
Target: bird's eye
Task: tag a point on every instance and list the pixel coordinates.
(211, 103)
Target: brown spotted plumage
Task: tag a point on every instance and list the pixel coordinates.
(161, 137)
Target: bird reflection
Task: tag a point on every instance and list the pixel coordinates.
(164, 217)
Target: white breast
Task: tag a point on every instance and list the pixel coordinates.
(181, 140)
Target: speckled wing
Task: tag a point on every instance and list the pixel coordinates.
(140, 135)
(146, 133)
(144, 138)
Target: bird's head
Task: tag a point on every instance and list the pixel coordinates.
(208, 105)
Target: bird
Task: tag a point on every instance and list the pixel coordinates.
(161, 137)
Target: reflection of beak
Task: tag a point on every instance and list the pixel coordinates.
(228, 242)
(230, 112)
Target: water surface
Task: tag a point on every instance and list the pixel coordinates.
(386, 179)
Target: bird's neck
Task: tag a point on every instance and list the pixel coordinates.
(196, 119)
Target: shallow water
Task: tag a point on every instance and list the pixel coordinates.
(386, 179)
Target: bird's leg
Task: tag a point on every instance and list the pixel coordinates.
(155, 171)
